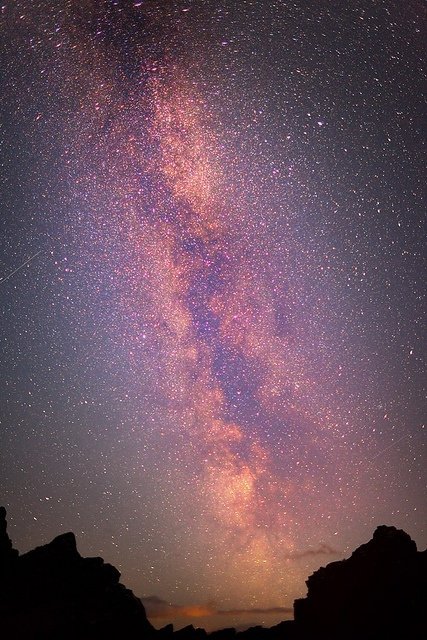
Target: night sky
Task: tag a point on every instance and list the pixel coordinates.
(212, 278)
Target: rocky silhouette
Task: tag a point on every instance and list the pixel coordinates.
(8, 554)
(380, 592)
(53, 593)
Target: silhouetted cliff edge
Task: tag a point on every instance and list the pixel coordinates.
(380, 592)
(52, 593)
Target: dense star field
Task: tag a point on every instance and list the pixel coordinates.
(211, 288)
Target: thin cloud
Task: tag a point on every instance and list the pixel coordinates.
(158, 608)
(271, 610)
(321, 550)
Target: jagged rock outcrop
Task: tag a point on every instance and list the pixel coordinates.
(224, 634)
(54, 593)
(190, 633)
(283, 631)
(165, 632)
(379, 592)
(8, 554)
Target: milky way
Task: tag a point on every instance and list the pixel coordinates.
(212, 358)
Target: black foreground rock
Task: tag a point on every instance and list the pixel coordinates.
(52, 593)
(380, 592)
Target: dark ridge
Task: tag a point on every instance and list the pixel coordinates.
(52, 593)
(379, 592)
